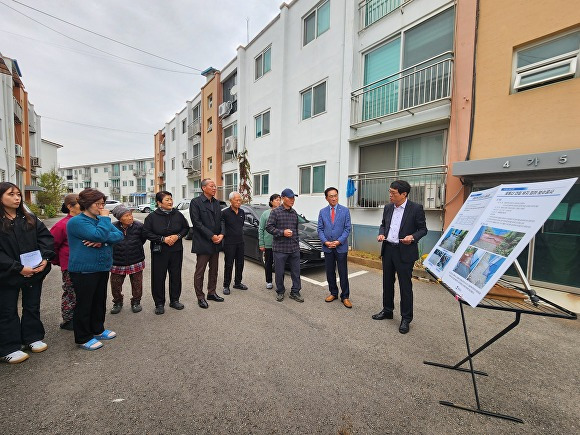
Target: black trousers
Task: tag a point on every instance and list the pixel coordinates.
(91, 293)
(168, 261)
(233, 253)
(14, 332)
(392, 264)
(268, 263)
(332, 261)
(293, 260)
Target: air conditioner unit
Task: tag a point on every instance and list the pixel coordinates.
(18, 150)
(428, 195)
(35, 162)
(224, 109)
(231, 144)
(162, 148)
(150, 189)
(161, 174)
(187, 164)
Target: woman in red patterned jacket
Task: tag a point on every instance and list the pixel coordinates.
(68, 300)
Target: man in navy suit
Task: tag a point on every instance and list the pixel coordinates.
(333, 230)
(403, 225)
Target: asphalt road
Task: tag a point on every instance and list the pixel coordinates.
(253, 365)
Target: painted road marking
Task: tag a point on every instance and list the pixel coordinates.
(325, 283)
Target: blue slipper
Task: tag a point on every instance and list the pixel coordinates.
(106, 335)
(92, 344)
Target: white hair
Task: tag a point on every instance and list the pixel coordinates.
(232, 194)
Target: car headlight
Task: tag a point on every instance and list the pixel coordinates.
(304, 245)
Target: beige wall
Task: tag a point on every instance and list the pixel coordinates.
(537, 120)
(211, 141)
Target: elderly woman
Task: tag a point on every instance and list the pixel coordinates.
(26, 247)
(165, 228)
(90, 237)
(58, 231)
(265, 239)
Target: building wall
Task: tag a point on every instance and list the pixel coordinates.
(7, 159)
(536, 120)
(211, 140)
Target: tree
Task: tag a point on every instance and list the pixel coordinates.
(51, 197)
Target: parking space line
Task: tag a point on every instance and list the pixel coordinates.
(325, 283)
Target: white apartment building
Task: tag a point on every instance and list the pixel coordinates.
(333, 92)
(128, 181)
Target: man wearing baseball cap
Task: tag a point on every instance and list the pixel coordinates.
(283, 225)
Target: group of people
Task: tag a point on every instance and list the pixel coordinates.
(91, 251)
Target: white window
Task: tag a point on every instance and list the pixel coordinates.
(173, 163)
(209, 102)
(96, 184)
(106, 184)
(312, 178)
(314, 101)
(209, 125)
(262, 122)
(183, 190)
(263, 62)
(316, 22)
(173, 134)
(131, 183)
(125, 183)
(261, 184)
(209, 163)
(130, 167)
(547, 62)
(96, 170)
(184, 126)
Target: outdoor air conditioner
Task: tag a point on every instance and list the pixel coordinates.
(19, 151)
(428, 195)
(224, 109)
(161, 174)
(231, 144)
(186, 164)
(162, 148)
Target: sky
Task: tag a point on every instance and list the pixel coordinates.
(70, 83)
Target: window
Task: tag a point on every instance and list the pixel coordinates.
(227, 87)
(106, 169)
(195, 113)
(125, 183)
(96, 184)
(183, 126)
(151, 182)
(96, 170)
(124, 168)
(548, 62)
(106, 184)
(261, 184)
(230, 131)
(312, 179)
(152, 165)
(131, 183)
(209, 102)
(130, 167)
(314, 101)
(75, 172)
(262, 124)
(172, 134)
(263, 62)
(76, 185)
(316, 23)
(183, 190)
(173, 163)
(209, 125)
(209, 164)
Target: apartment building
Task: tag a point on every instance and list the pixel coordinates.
(128, 181)
(525, 122)
(20, 131)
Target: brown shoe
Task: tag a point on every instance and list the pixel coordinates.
(347, 303)
(331, 298)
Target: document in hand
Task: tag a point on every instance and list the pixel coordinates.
(31, 259)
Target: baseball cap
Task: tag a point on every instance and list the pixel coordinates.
(288, 193)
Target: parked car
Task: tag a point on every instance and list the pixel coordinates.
(311, 254)
(110, 204)
(183, 207)
(145, 208)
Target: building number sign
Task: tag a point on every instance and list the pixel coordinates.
(535, 161)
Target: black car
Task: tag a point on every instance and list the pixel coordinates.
(311, 254)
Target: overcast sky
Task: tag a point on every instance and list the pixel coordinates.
(69, 81)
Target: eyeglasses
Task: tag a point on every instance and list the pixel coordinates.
(99, 204)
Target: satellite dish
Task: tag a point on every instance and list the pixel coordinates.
(233, 90)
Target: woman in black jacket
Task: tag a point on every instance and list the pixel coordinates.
(128, 259)
(165, 228)
(26, 247)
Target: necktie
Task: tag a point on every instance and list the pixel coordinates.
(332, 214)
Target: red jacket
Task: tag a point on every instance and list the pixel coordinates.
(58, 231)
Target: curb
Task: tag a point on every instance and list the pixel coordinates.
(419, 274)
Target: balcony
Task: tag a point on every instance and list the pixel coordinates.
(371, 11)
(114, 175)
(140, 173)
(403, 91)
(228, 156)
(193, 166)
(17, 111)
(427, 187)
(194, 129)
(223, 192)
(115, 190)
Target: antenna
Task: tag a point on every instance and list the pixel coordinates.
(247, 30)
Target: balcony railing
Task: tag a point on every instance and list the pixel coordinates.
(193, 166)
(17, 111)
(193, 129)
(427, 187)
(409, 88)
(139, 172)
(371, 11)
(223, 192)
(115, 190)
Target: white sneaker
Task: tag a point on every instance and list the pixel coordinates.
(269, 285)
(38, 346)
(15, 357)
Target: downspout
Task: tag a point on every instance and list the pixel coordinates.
(471, 121)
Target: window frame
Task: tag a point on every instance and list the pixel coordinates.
(183, 126)
(262, 56)
(314, 11)
(261, 117)
(311, 167)
(312, 105)
(259, 190)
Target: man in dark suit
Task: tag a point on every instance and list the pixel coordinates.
(403, 225)
(333, 230)
(205, 214)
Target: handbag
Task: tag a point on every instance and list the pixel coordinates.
(157, 248)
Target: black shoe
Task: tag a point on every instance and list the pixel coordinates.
(177, 305)
(296, 296)
(159, 309)
(116, 308)
(68, 325)
(241, 286)
(226, 291)
(384, 314)
(404, 328)
(136, 307)
(215, 297)
(202, 303)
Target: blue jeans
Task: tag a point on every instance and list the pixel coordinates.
(293, 259)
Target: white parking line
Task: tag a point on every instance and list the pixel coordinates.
(325, 283)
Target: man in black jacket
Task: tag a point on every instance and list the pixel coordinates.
(205, 214)
(402, 226)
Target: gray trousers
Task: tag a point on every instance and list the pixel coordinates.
(293, 259)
